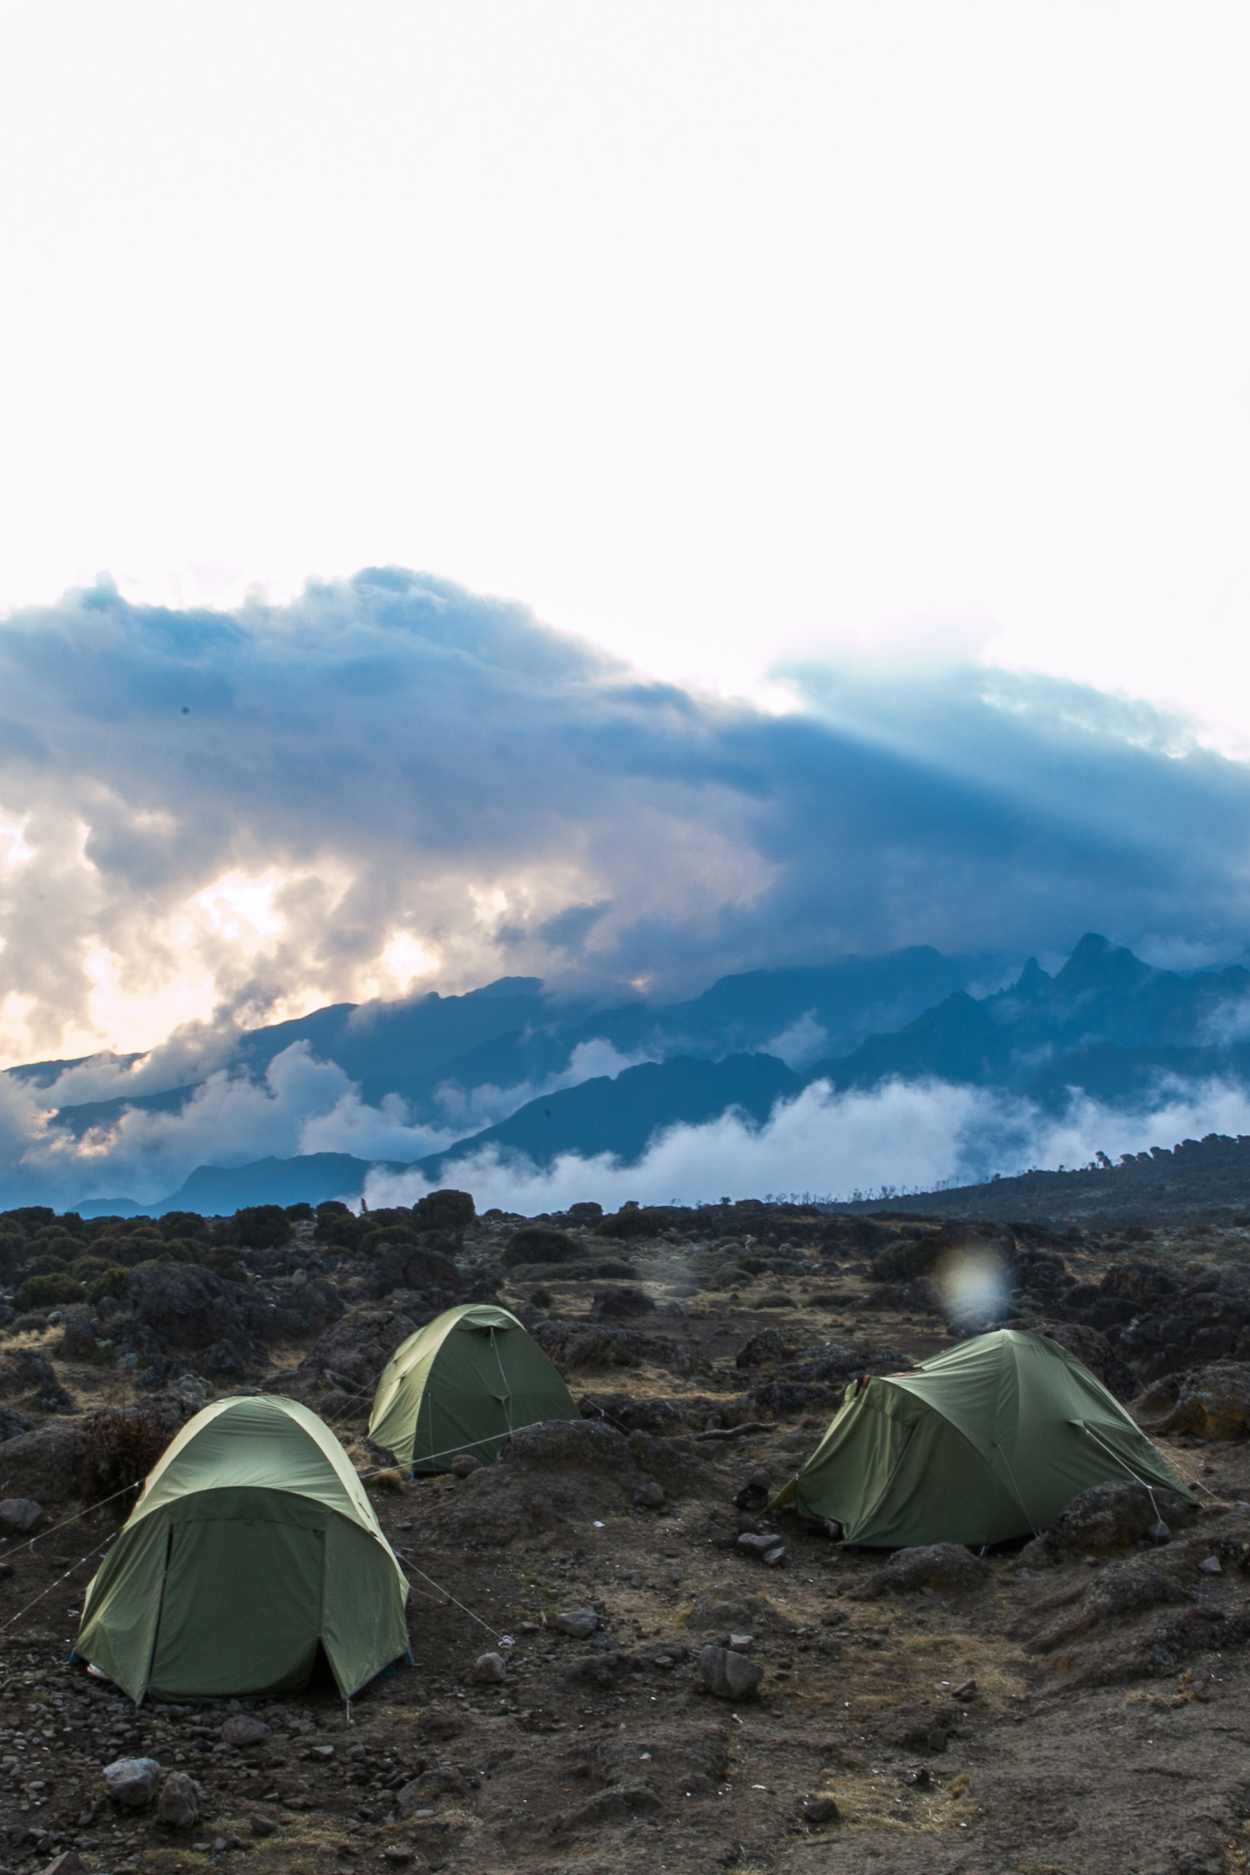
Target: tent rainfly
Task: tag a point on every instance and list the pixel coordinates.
(990, 1440)
(253, 1544)
(464, 1383)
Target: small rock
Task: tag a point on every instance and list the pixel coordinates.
(132, 1781)
(649, 1495)
(729, 1675)
(768, 1546)
(967, 1689)
(19, 1515)
(489, 1669)
(921, 1778)
(67, 1863)
(1210, 1566)
(740, 1643)
(581, 1623)
(242, 1729)
(464, 1464)
(818, 1811)
(264, 1826)
(178, 1805)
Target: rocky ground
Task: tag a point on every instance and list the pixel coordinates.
(620, 1683)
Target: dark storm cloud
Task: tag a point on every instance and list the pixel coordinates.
(405, 751)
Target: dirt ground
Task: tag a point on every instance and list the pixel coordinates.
(1021, 1725)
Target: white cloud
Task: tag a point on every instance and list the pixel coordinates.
(904, 1136)
(803, 1041)
(472, 1109)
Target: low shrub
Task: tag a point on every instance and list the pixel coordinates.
(47, 1292)
(539, 1243)
(120, 1447)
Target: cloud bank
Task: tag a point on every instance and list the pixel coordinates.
(902, 1136)
(226, 817)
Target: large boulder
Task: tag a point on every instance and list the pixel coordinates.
(1207, 1403)
(946, 1568)
(350, 1355)
(765, 1348)
(581, 1346)
(548, 1477)
(182, 1305)
(28, 1376)
(47, 1460)
(1110, 1517)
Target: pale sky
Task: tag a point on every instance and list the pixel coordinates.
(726, 336)
(720, 333)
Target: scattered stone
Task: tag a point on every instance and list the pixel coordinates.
(767, 1545)
(649, 1495)
(944, 1566)
(178, 1806)
(728, 1674)
(817, 1811)
(19, 1515)
(740, 1643)
(241, 1728)
(581, 1623)
(489, 1669)
(1108, 1517)
(1210, 1566)
(755, 1492)
(132, 1781)
(1210, 1402)
(966, 1690)
(464, 1464)
(68, 1863)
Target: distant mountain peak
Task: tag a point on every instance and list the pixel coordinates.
(1032, 980)
(1097, 963)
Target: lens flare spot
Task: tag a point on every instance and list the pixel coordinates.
(973, 1286)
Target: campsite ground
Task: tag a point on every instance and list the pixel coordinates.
(1074, 1713)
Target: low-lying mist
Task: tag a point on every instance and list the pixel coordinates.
(898, 1137)
(901, 1136)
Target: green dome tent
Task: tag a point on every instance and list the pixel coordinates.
(464, 1382)
(252, 1545)
(991, 1440)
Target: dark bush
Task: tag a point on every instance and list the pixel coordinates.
(87, 1269)
(47, 1263)
(445, 1210)
(538, 1243)
(120, 1447)
(541, 1298)
(371, 1242)
(58, 1243)
(636, 1221)
(46, 1292)
(260, 1226)
(620, 1304)
(337, 1229)
(587, 1212)
(299, 1213)
(182, 1224)
(30, 1217)
(110, 1282)
(223, 1259)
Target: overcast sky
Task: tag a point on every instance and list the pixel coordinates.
(736, 339)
